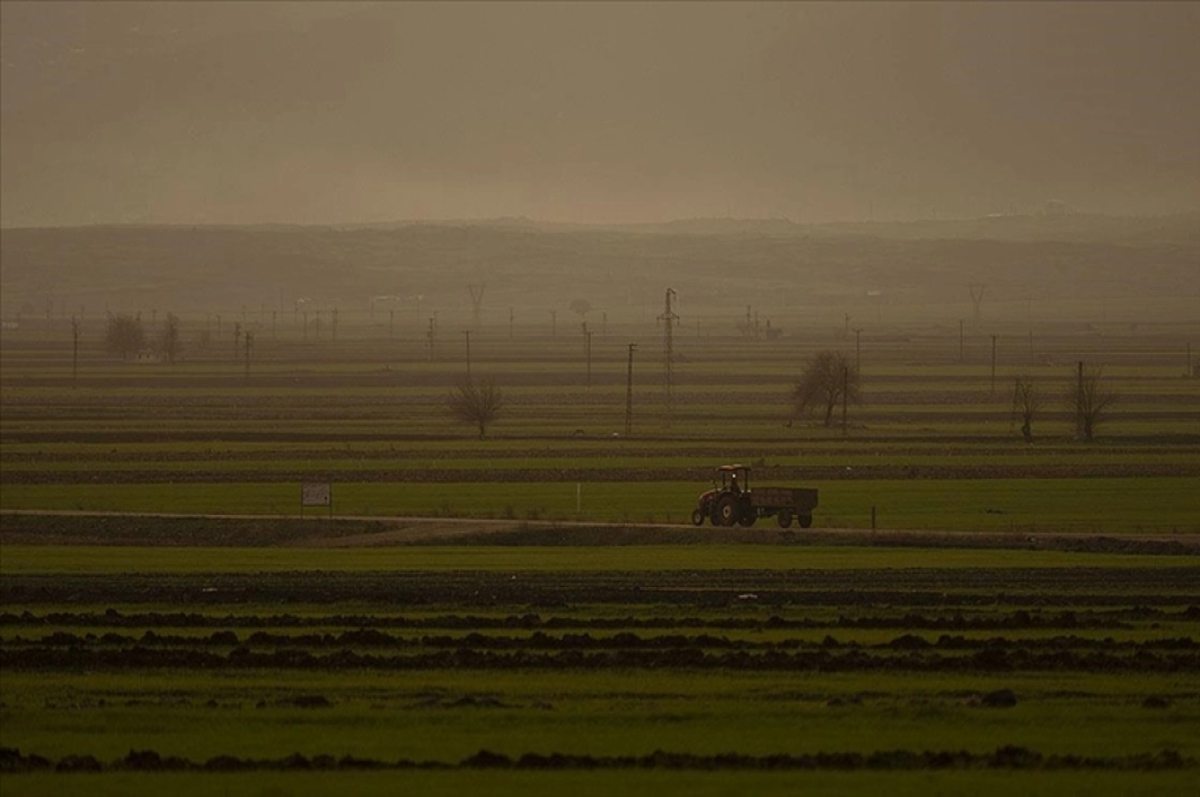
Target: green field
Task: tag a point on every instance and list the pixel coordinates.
(117, 559)
(1030, 609)
(577, 651)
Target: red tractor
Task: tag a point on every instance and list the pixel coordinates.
(732, 501)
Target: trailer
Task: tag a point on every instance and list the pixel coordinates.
(731, 500)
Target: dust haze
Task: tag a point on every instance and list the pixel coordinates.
(616, 113)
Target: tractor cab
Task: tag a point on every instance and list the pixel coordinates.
(732, 478)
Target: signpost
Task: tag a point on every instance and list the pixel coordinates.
(316, 494)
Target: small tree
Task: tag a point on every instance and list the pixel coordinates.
(1090, 400)
(581, 306)
(169, 342)
(478, 403)
(828, 379)
(124, 335)
(1027, 402)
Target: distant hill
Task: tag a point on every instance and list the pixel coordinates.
(718, 265)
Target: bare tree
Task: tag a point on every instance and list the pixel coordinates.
(124, 335)
(169, 341)
(1090, 400)
(478, 403)
(830, 378)
(1027, 402)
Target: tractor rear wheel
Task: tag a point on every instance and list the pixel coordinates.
(697, 517)
(727, 512)
(784, 518)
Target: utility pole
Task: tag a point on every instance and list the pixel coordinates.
(333, 324)
(845, 397)
(305, 325)
(960, 340)
(467, 333)
(430, 336)
(993, 365)
(977, 292)
(857, 349)
(668, 318)
(629, 393)
(554, 323)
(392, 323)
(511, 316)
(476, 292)
(1079, 401)
(75, 330)
(587, 342)
(249, 344)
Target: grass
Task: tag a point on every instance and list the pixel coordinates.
(203, 420)
(387, 716)
(601, 784)
(1099, 505)
(117, 559)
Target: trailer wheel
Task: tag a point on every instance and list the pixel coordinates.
(697, 517)
(727, 510)
(784, 519)
(805, 521)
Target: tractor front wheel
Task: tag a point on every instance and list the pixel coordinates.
(697, 517)
(727, 513)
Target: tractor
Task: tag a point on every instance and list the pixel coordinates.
(731, 500)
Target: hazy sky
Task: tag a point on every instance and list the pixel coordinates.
(340, 112)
